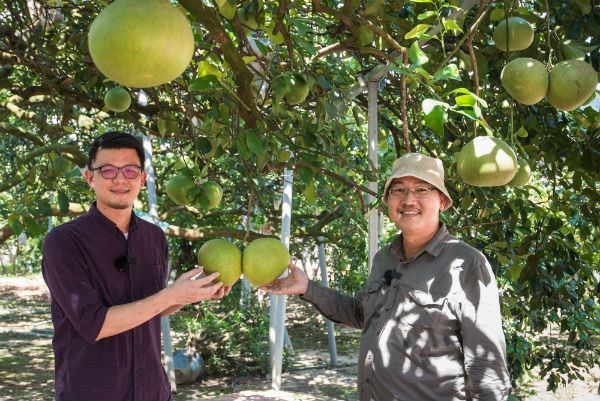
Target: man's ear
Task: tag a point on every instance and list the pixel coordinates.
(89, 177)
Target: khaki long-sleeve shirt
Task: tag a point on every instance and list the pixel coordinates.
(433, 334)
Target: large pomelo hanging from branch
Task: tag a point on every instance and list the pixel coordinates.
(141, 43)
(572, 82)
(525, 79)
(523, 174)
(520, 34)
(486, 162)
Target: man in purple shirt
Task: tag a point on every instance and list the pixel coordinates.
(106, 272)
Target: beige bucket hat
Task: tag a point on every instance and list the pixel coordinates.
(417, 165)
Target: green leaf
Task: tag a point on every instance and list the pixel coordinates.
(421, 1)
(306, 173)
(425, 15)
(15, 223)
(417, 56)
(450, 25)
(205, 69)
(448, 72)
(32, 226)
(522, 133)
(466, 91)
(284, 155)
(423, 72)
(330, 109)
(44, 207)
(248, 59)
(262, 160)
(503, 259)
(63, 202)
(421, 28)
(310, 193)
(465, 202)
(324, 83)
(162, 127)
(435, 115)
(205, 83)
(254, 143)
(515, 271)
(242, 147)
(280, 87)
(465, 101)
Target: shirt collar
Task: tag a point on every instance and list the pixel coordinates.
(108, 224)
(433, 247)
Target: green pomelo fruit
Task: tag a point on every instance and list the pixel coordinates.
(525, 79)
(520, 34)
(523, 174)
(299, 90)
(264, 260)
(58, 166)
(219, 255)
(178, 188)
(486, 162)
(213, 193)
(141, 43)
(226, 9)
(117, 100)
(572, 82)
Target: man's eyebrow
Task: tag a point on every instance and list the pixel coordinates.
(402, 182)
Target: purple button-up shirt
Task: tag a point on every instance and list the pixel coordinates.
(79, 268)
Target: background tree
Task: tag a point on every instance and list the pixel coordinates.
(238, 116)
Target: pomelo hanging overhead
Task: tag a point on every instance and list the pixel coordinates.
(486, 162)
(520, 34)
(141, 43)
(572, 82)
(117, 99)
(523, 174)
(525, 79)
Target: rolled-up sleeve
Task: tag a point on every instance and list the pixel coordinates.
(69, 284)
(335, 306)
(483, 339)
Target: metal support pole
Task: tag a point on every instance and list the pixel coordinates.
(277, 327)
(372, 154)
(153, 212)
(330, 331)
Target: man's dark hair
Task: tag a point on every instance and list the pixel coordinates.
(116, 140)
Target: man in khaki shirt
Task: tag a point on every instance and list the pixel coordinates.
(430, 312)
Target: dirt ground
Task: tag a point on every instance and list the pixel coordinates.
(26, 361)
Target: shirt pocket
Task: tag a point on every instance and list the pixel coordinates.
(423, 310)
(374, 300)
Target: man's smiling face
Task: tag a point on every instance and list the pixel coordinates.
(119, 192)
(412, 215)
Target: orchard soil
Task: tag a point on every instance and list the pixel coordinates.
(26, 361)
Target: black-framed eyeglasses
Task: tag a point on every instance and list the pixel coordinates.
(419, 192)
(109, 172)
